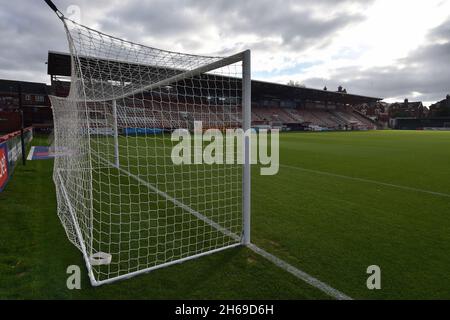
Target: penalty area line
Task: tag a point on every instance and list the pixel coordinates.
(386, 184)
(31, 153)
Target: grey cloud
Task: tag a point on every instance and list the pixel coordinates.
(158, 18)
(29, 29)
(27, 33)
(441, 32)
(263, 18)
(277, 18)
(426, 70)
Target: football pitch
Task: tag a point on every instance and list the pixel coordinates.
(341, 201)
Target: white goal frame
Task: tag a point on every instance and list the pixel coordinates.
(73, 227)
(245, 57)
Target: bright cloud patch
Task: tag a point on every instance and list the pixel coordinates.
(391, 49)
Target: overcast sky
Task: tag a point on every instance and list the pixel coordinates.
(393, 49)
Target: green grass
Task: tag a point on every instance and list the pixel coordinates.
(140, 227)
(35, 253)
(334, 227)
(330, 226)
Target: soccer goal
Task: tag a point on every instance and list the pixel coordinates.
(121, 199)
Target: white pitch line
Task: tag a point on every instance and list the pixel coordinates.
(277, 261)
(300, 274)
(368, 181)
(30, 154)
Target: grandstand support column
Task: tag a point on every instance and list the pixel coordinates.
(22, 125)
(116, 134)
(246, 126)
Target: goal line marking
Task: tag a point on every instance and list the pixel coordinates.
(386, 184)
(275, 260)
(300, 274)
(30, 154)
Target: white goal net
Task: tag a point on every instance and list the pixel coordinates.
(121, 199)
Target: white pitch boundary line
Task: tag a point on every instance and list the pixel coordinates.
(367, 181)
(30, 154)
(300, 274)
(277, 261)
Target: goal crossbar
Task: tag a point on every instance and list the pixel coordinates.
(182, 75)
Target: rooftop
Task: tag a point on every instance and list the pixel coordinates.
(12, 86)
(59, 64)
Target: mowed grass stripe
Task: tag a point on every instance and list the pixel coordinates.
(35, 253)
(334, 228)
(391, 185)
(278, 262)
(330, 227)
(411, 158)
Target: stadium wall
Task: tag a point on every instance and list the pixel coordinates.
(419, 123)
(9, 121)
(10, 153)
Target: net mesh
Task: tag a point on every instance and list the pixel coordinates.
(118, 191)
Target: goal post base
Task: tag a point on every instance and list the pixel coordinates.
(167, 264)
(100, 259)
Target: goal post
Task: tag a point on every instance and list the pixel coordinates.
(246, 119)
(121, 199)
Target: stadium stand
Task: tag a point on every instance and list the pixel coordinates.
(277, 105)
(35, 105)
